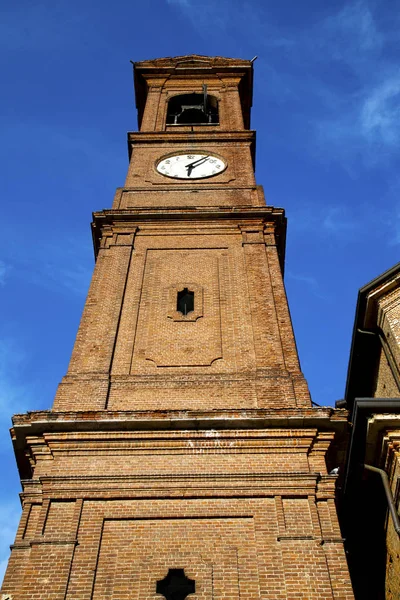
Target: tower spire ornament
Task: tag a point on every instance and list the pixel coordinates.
(182, 454)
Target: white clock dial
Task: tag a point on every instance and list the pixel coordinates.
(191, 166)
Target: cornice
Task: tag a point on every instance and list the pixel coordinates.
(170, 485)
(221, 135)
(133, 217)
(195, 485)
(189, 213)
(192, 138)
(41, 421)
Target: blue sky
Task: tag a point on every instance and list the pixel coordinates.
(327, 114)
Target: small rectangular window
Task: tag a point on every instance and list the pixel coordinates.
(185, 301)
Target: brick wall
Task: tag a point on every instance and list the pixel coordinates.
(243, 512)
(242, 340)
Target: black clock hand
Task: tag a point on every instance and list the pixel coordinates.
(195, 164)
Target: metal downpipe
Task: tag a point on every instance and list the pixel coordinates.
(389, 496)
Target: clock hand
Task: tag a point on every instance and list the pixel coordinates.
(197, 162)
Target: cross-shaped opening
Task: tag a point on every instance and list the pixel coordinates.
(176, 586)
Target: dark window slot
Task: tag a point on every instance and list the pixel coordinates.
(185, 301)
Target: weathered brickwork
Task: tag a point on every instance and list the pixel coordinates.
(182, 441)
(243, 338)
(386, 386)
(232, 507)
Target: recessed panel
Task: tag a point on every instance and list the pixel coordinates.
(218, 554)
(166, 336)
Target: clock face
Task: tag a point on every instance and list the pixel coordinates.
(191, 166)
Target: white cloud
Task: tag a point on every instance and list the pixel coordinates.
(182, 3)
(362, 118)
(337, 221)
(380, 113)
(352, 30)
(328, 221)
(367, 126)
(205, 16)
(389, 212)
(309, 281)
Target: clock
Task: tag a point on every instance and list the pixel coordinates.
(191, 166)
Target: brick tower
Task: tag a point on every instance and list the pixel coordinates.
(182, 454)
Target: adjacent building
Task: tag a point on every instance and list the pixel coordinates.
(373, 400)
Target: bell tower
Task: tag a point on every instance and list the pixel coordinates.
(182, 456)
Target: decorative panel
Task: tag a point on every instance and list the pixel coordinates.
(162, 338)
(218, 554)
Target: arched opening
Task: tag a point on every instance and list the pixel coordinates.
(192, 109)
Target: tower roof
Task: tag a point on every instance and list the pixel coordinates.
(193, 60)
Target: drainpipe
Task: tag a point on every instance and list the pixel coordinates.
(363, 410)
(386, 350)
(389, 496)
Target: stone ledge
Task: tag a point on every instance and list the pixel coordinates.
(184, 419)
(38, 542)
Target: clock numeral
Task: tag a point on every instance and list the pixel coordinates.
(217, 166)
(167, 161)
(178, 158)
(190, 156)
(212, 160)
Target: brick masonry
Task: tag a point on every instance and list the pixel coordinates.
(182, 443)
